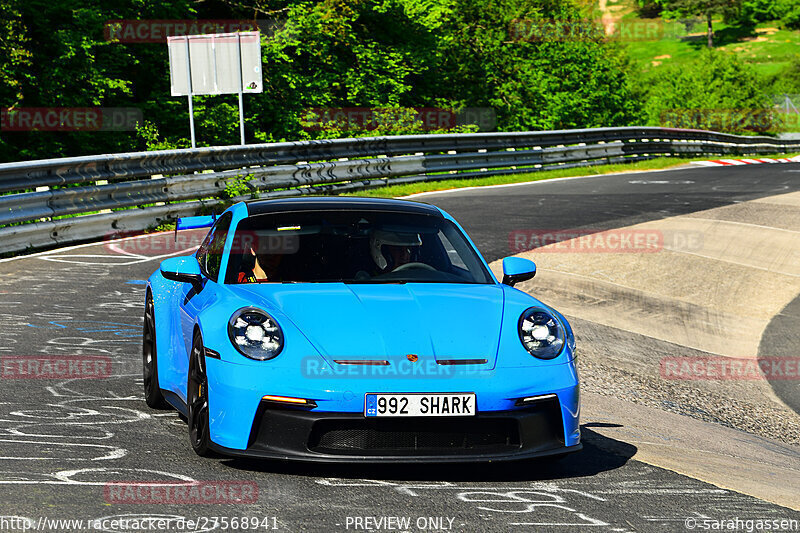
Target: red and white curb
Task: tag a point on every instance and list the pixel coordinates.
(735, 162)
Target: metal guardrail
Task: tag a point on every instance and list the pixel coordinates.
(39, 199)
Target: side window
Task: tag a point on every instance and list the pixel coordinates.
(210, 253)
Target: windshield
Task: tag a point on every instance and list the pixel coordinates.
(352, 247)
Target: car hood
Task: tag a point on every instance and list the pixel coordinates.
(390, 321)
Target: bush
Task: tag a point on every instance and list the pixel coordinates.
(787, 81)
(752, 12)
(716, 92)
(792, 18)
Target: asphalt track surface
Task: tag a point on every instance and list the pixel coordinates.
(62, 441)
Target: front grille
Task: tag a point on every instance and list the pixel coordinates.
(430, 436)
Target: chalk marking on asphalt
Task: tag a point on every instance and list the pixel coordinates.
(113, 453)
(591, 522)
(407, 488)
(140, 259)
(113, 246)
(550, 496)
(67, 475)
(85, 245)
(64, 477)
(527, 504)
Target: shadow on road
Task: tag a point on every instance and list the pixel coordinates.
(780, 340)
(599, 454)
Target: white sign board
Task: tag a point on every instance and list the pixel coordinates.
(220, 63)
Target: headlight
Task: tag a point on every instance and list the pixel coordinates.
(541, 333)
(255, 334)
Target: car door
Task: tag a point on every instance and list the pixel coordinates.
(192, 302)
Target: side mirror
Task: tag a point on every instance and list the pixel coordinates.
(517, 269)
(183, 270)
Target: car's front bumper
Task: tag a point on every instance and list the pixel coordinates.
(240, 423)
(278, 432)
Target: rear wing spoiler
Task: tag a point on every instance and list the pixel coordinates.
(194, 223)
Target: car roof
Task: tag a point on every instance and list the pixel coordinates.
(336, 203)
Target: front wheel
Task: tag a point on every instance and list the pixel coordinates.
(152, 390)
(197, 395)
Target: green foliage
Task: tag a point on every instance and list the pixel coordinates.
(148, 134)
(792, 18)
(382, 121)
(716, 91)
(683, 8)
(237, 187)
(389, 55)
(787, 81)
(54, 54)
(336, 54)
(752, 12)
(532, 84)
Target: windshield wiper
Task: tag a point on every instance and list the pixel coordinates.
(376, 282)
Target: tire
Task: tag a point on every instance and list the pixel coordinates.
(152, 390)
(197, 400)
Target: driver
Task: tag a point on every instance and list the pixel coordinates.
(390, 249)
(258, 268)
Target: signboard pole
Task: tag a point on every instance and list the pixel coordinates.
(241, 82)
(189, 81)
(217, 63)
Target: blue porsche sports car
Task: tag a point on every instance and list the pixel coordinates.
(354, 329)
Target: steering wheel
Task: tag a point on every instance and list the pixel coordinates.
(414, 265)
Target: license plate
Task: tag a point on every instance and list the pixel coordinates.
(420, 404)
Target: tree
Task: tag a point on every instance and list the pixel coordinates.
(388, 55)
(55, 54)
(703, 8)
(542, 77)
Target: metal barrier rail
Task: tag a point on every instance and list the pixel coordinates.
(35, 194)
